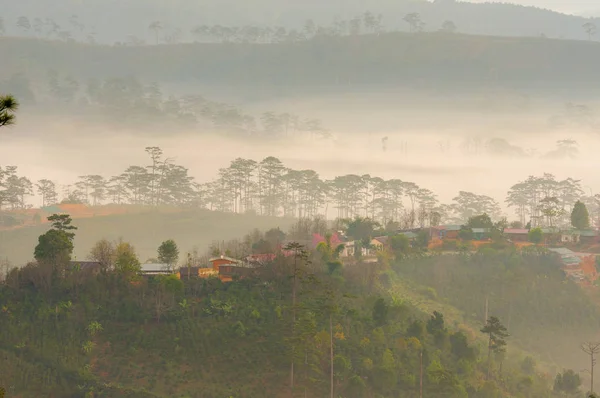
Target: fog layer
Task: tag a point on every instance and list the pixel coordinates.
(443, 150)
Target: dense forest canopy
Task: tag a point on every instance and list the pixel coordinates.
(436, 60)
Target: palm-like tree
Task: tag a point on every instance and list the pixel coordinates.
(8, 107)
(156, 26)
(590, 28)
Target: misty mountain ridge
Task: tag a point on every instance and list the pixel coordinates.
(591, 13)
(424, 61)
(178, 18)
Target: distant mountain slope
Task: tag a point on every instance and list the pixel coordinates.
(114, 21)
(400, 59)
(591, 13)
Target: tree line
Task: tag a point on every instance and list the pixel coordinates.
(74, 30)
(71, 30)
(367, 23)
(268, 187)
(126, 101)
(547, 201)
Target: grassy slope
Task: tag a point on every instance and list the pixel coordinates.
(420, 297)
(190, 229)
(429, 59)
(551, 316)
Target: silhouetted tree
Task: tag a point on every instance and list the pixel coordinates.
(156, 27)
(536, 235)
(47, 189)
(168, 253)
(448, 27)
(580, 217)
(590, 29)
(567, 382)
(8, 107)
(497, 335)
(414, 21)
(23, 23)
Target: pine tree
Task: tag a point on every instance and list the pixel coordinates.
(580, 217)
(497, 334)
(8, 106)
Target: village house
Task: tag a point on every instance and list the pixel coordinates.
(448, 231)
(227, 269)
(217, 262)
(378, 244)
(517, 234)
(192, 272)
(570, 236)
(156, 269)
(435, 233)
(228, 273)
(551, 235)
(588, 236)
(350, 249)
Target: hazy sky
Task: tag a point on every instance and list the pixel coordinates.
(568, 6)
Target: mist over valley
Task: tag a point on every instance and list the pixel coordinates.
(350, 200)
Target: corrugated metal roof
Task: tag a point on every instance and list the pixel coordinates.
(562, 251)
(154, 267)
(570, 232)
(480, 230)
(233, 260)
(588, 233)
(516, 231)
(451, 227)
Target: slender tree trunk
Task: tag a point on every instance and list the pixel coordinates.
(486, 308)
(305, 371)
(331, 354)
(500, 369)
(292, 375)
(509, 314)
(293, 324)
(489, 369)
(592, 368)
(189, 264)
(421, 376)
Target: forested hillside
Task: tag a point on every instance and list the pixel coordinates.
(302, 326)
(427, 60)
(545, 313)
